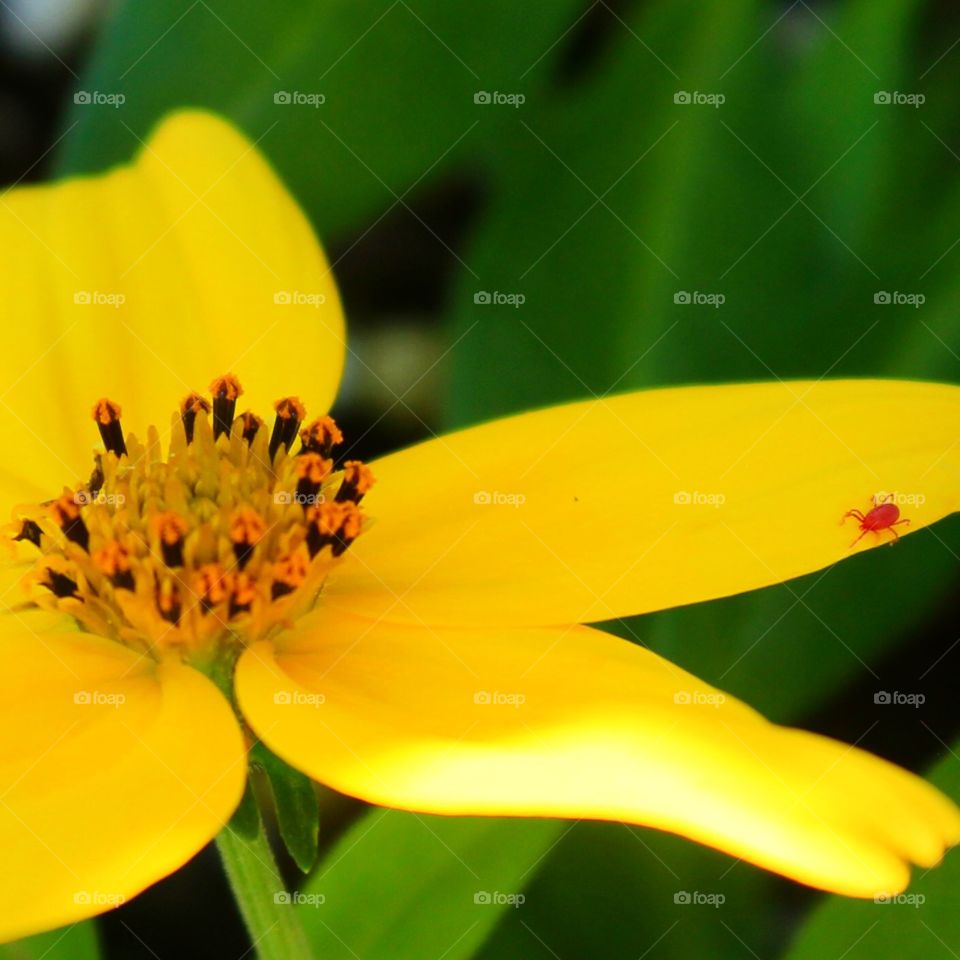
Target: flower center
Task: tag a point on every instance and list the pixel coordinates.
(226, 540)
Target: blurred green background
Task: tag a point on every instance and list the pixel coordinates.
(532, 203)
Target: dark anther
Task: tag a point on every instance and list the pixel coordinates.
(225, 391)
(290, 413)
(235, 607)
(246, 530)
(168, 603)
(243, 552)
(30, 530)
(60, 585)
(170, 610)
(172, 553)
(189, 408)
(66, 511)
(321, 436)
(107, 415)
(241, 594)
(170, 528)
(312, 470)
(95, 483)
(113, 559)
(123, 580)
(250, 423)
(280, 589)
(334, 524)
(211, 585)
(357, 480)
(288, 573)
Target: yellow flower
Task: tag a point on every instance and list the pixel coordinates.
(425, 649)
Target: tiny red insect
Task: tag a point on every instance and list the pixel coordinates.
(883, 516)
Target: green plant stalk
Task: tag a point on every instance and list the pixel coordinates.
(260, 894)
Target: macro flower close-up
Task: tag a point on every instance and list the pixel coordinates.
(373, 642)
(572, 626)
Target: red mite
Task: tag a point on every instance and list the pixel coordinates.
(883, 516)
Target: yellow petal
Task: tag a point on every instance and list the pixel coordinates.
(146, 283)
(571, 722)
(113, 773)
(645, 501)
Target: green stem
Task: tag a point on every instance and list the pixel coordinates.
(261, 896)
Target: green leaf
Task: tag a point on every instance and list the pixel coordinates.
(76, 942)
(246, 818)
(707, 201)
(704, 199)
(617, 891)
(398, 78)
(400, 886)
(923, 922)
(298, 812)
(789, 648)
